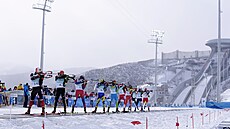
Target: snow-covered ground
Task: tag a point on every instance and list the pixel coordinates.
(161, 118)
(182, 96)
(200, 89)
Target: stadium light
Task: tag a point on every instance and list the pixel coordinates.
(45, 6)
(157, 36)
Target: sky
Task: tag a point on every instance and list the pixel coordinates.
(103, 33)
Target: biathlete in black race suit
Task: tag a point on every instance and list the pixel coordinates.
(61, 80)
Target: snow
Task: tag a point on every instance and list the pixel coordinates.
(182, 96)
(161, 118)
(200, 89)
(226, 96)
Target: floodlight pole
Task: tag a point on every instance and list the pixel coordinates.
(156, 39)
(218, 87)
(44, 9)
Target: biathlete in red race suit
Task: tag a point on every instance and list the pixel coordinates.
(121, 93)
(80, 85)
(145, 96)
(128, 97)
(37, 80)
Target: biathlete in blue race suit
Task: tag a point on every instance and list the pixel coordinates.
(101, 88)
(113, 87)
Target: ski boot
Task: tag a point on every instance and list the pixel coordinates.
(95, 110)
(54, 111)
(130, 109)
(108, 109)
(43, 111)
(64, 110)
(103, 109)
(124, 111)
(72, 110)
(85, 110)
(30, 105)
(142, 109)
(28, 111)
(117, 110)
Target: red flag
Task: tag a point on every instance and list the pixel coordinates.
(136, 122)
(177, 124)
(43, 125)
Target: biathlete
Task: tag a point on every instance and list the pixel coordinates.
(37, 80)
(134, 99)
(139, 98)
(101, 88)
(128, 98)
(113, 93)
(80, 85)
(121, 92)
(61, 80)
(145, 96)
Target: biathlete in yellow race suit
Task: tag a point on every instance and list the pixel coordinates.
(101, 88)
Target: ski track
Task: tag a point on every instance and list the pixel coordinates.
(156, 120)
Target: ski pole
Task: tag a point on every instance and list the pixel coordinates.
(146, 123)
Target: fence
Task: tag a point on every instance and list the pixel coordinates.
(184, 55)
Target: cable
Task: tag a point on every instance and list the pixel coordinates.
(130, 17)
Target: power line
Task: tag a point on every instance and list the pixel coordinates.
(130, 17)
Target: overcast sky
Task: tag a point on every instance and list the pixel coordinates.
(102, 33)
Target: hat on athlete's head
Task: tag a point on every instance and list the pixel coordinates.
(61, 72)
(38, 70)
(102, 81)
(82, 77)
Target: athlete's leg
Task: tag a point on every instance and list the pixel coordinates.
(41, 100)
(56, 99)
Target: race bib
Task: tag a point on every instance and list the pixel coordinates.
(100, 89)
(59, 82)
(35, 82)
(121, 91)
(78, 86)
(113, 90)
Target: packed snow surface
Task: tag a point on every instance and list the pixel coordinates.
(158, 118)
